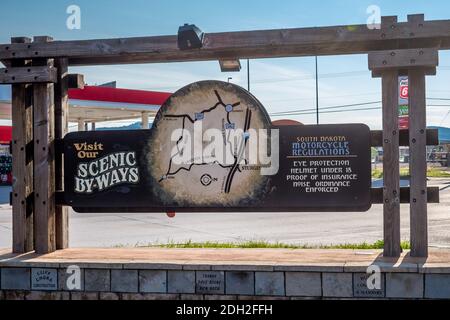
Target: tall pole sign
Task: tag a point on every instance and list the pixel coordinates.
(403, 103)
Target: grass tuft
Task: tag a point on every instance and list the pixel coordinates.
(404, 173)
(259, 244)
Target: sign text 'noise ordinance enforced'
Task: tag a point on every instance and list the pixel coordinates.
(213, 148)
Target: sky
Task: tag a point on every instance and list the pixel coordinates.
(280, 84)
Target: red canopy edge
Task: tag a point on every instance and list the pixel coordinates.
(5, 134)
(93, 93)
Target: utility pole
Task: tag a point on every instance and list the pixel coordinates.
(317, 93)
(248, 75)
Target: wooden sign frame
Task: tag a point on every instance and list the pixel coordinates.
(40, 107)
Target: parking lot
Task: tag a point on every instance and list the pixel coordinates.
(130, 229)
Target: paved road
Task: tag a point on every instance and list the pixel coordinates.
(106, 230)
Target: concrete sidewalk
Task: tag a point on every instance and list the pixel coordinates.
(332, 260)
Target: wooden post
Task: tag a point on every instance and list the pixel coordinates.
(391, 166)
(44, 162)
(144, 120)
(418, 164)
(391, 173)
(418, 62)
(22, 167)
(81, 125)
(61, 128)
(418, 149)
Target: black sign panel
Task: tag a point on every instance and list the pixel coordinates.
(324, 168)
(309, 168)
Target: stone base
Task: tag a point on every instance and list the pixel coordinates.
(221, 274)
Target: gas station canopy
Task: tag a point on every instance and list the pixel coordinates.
(98, 104)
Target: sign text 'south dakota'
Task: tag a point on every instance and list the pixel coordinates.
(321, 176)
(107, 172)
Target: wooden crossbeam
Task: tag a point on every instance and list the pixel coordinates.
(376, 196)
(432, 138)
(43, 74)
(404, 60)
(405, 195)
(426, 59)
(353, 39)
